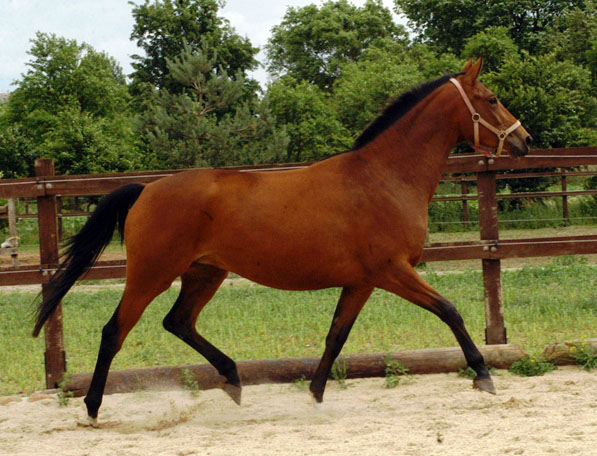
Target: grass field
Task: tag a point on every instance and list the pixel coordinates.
(543, 304)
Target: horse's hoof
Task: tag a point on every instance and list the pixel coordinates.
(484, 384)
(317, 397)
(234, 391)
(92, 422)
(317, 405)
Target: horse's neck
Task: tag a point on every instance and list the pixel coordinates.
(414, 150)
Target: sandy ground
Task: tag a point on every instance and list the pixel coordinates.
(429, 415)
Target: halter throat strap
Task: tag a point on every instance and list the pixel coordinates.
(477, 119)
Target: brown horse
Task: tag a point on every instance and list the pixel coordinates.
(356, 220)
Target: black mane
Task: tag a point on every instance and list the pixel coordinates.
(398, 108)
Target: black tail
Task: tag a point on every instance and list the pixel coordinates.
(84, 248)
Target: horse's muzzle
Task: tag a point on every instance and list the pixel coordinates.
(520, 147)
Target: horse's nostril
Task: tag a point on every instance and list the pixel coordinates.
(529, 140)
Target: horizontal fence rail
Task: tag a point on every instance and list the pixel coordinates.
(46, 187)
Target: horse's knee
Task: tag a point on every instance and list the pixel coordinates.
(170, 324)
(176, 324)
(180, 327)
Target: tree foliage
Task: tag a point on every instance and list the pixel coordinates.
(306, 113)
(574, 37)
(312, 43)
(71, 105)
(334, 65)
(552, 98)
(381, 75)
(447, 24)
(494, 44)
(164, 27)
(197, 127)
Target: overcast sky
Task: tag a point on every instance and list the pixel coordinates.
(107, 24)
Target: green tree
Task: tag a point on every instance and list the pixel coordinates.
(433, 65)
(197, 127)
(551, 97)
(312, 43)
(447, 24)
(311, 123)
(381, 75)
(72, 105)
(494, 45)
(16, 152)
(574, 37)
(164, 27)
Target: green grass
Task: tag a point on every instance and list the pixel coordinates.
(543, 305)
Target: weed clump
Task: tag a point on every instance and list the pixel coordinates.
(339, 373)
(530, 366)
(63, 395)
(190, 382)
(395, 372)
(300, 383)
(584, 355)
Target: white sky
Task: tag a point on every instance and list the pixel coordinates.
(107, 24)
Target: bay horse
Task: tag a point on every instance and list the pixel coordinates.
(356, 220)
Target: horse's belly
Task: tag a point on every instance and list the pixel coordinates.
(290, 269)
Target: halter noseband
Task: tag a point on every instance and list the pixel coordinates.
(477, 119)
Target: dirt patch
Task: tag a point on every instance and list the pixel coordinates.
(430, 415)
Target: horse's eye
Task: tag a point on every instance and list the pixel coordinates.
(493, 100)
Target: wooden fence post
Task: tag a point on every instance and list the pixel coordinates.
(55, 356)
(12, 231)
(495, 332)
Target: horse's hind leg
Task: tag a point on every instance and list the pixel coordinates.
(199, 284)
(127, 314)
(407, 284)
(350, 304)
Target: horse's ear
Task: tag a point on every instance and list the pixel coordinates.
(471, 70)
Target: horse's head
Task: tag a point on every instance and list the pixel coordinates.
(485, 123)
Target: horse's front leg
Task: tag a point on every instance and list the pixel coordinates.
(350, 304)
(406, 283)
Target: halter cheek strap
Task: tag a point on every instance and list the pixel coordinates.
(477, 119)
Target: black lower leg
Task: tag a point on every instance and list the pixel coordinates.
(224, 365)
(333, 346)
(184, 330)
(453, 319)
(108, 349)
(350, 304)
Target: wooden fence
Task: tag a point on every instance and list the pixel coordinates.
(46, 187)
(563, 175)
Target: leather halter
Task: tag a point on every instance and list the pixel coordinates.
(477, 119)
